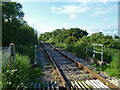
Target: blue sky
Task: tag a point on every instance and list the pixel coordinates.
(92, 16)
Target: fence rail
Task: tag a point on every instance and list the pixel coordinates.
(94, 51)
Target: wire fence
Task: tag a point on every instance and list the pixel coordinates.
(6, 55)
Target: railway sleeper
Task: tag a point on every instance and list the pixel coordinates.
(89, 85)
(49, 85)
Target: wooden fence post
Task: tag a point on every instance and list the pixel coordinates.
(12, 53)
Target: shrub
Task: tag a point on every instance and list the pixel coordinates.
(25, 50)
(18, 73)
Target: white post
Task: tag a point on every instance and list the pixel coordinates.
(102, 54)
(35, 54)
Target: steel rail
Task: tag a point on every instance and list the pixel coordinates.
(106, 82)
(57, 69)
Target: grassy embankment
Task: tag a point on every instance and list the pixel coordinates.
(21, 71)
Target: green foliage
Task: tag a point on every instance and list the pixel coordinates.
(68, 36)
(68, 40)
(76, 41)
(107, 41)
(112, 68)
(116, 37)
(15, 29)
(11, 11)
(35, 73)
(20, 72)
(80, 51)
(25, 50)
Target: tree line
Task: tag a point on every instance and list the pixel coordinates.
(67, 36)
(15, 29)
(74, 35)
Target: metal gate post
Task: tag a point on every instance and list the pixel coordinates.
(93, 50)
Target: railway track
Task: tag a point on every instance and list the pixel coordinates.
(49, 77)
(72, 74)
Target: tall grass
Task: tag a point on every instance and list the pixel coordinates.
(113, 69)
(20, 73)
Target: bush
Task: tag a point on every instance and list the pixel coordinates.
(112, 68)
(18, 73)
(25, 50)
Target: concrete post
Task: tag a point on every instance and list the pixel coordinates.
(12, 53)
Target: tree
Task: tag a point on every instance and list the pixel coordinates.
(99, 33)
(116, 37)
(14, 30)
(69, 40)
(11, 11)
(60, 35)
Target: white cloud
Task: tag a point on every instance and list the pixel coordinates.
(43, 28)
(65, 24)
(95, 8)
(101, 30)
(84, 28)
(53, 8)
(102, 27)
(105, 19)
(71, 9)
(30, 22)
(108, 32)
(73, 16)
(115, 32)
(103, 8)
(40, 28)
(99, 12)
(106, 29)
(105, 32)
(90, 31)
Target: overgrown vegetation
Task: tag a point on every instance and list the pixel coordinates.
(68, 36)
(20, 72)
(78, 45)
(111, 68)
(16, 30)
